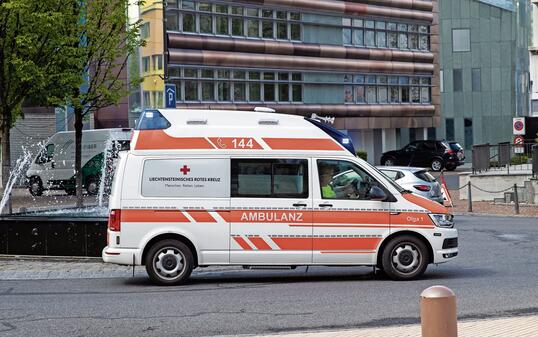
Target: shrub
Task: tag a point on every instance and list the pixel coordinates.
(362, 154)
(519, 159)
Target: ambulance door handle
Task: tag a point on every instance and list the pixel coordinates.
(325, 205)
(299, 205)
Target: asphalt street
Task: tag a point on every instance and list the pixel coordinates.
(496, 274)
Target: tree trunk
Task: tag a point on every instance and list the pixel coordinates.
(6, 161)
(78, 155)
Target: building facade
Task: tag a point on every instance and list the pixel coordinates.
(484, 69)
(533, 54)
(372, 64)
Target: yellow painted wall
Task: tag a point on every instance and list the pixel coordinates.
(153, 81)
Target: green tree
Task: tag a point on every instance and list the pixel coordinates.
(107, 39)
(36, 60)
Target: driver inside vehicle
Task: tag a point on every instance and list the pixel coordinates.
(329, 190)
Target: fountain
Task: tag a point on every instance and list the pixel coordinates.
(50, 224)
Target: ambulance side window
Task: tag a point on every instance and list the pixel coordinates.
(269, 178)
(344, 180)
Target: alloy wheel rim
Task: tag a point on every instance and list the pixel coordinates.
(169, 263)
(436, 165)
(406, 258)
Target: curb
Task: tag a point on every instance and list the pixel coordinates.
(493, 215)
(87, 259)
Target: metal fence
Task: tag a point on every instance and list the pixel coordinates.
(505, 157)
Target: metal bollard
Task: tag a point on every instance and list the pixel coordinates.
(516, 200)
(469, 198)
(438, 312)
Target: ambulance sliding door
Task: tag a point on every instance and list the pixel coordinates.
(270, 216)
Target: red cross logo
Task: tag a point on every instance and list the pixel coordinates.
(185, 169)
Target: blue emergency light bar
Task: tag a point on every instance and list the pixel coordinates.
(337, 135)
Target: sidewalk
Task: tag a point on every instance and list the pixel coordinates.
(526, 326)
(51, 268)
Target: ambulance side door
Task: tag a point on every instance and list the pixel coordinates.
(270, 216)
(348, 225)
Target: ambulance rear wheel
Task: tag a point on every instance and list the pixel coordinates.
(405, 258)
(169, 262)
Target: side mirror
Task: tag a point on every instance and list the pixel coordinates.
(377, 194)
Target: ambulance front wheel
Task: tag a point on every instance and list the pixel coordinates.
(405, 258)
(169, 262)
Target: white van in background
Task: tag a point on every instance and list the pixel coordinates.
(54, 167)
(207, 187)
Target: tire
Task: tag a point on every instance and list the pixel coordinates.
(405, 258)
(390, 161)
(450, 167)
(92, 185)
(35, 186)
(171, 253)
(436, 164)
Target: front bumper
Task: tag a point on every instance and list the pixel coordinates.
(124, 256)
(440, 254)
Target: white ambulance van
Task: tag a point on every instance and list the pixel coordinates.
(207, 187)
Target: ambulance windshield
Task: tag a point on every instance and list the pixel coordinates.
(152, 120)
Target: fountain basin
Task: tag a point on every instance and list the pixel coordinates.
(62, 232)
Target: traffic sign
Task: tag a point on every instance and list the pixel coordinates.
(170, 95)
(518, 125)
(519, 140)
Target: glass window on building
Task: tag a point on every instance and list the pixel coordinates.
(223, 91)
(449, 129)
(172, 23)
(222, 25)
(237, 27)
(147, 99)
(281, 30)
(191, 91)
(441, 81)
(295, 31)
(468, 133)
(208, 91)
(206, 24)
(189, 23)
(346, 36)
(457, 79)
(267, 29)
(188, 5)
(461, 40)
(146, 64)
(359, 94)
(296, 93)
(145, 30)
(432, 133)
(240, 92)
(476, 79)
(254, 91)
(253, 28)
(158, 62)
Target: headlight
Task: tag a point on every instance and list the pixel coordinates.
(443, 220)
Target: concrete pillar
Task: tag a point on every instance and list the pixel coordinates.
(368, 144)
(425, 133)
(388, 139)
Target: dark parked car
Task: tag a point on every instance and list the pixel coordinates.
(436, 154)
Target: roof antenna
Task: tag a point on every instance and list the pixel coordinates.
(329, 120)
